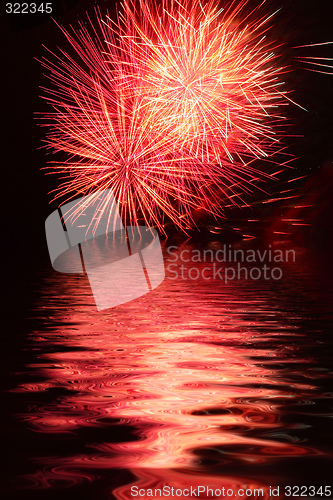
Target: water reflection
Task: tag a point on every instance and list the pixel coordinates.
(200, 374)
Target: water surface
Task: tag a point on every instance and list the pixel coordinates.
(198, 382)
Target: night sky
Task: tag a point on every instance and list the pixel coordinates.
(298, 22)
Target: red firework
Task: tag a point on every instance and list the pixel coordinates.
(169, 107)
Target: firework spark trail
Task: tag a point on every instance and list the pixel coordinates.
(319, 62)
(169, 107)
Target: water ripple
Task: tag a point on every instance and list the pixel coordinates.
(197, 375)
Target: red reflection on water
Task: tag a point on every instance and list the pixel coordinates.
(187, 366)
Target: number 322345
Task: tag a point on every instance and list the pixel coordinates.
(29, 8)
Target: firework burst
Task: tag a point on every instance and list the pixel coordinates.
(169, 107)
